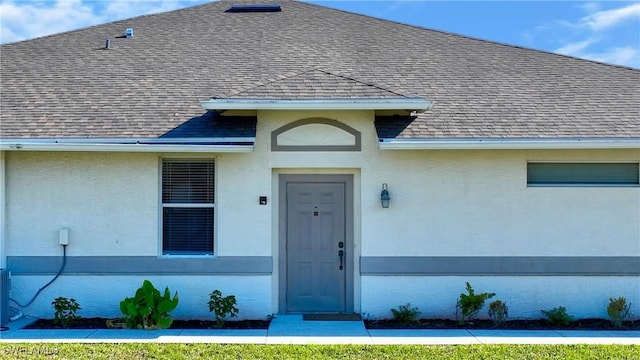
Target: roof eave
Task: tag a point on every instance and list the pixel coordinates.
(132, 145)
(508, 144)
(411, 104)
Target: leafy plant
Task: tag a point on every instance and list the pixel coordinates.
(66, 309)
(618, 310)
(406, 314)
(498, 312)
(469, 304)
(148, 309)
(223, 307)
(558, 316)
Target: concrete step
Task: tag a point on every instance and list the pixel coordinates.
(294, 325)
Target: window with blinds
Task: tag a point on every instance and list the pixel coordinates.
(188, 204)
(582, 174)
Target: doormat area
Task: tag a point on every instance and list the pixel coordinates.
(331, 317)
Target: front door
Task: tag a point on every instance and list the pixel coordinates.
(316, 248)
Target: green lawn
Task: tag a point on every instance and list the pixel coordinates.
(315, 352)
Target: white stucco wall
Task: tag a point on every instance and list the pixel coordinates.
(436, 296)
(466, 203)
(108, 201)
(101, 295)
(443, 203)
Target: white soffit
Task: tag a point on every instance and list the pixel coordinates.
(186, 145)
(498, 144)
(412, 104)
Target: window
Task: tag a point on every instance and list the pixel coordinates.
(188, 203)
(582, 174)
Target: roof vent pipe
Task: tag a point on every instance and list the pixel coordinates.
(107, 42)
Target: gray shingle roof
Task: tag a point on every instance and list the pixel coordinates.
(214, 125)
(67, 86)
(315, 84)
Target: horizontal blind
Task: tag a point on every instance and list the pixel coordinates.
(187, 230)
(582, 174)
(188, 182)
(188, 200)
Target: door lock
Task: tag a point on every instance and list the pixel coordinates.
(341, 244)
(341, 254)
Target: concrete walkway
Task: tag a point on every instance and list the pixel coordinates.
(291, 329)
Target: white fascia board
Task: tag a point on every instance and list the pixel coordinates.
(129, 145)
(412, 104)
(507, 144)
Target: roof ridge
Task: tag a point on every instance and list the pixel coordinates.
(292, 74)
(368, 83)
(260, 83)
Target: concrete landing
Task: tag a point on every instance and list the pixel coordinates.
(292, 329)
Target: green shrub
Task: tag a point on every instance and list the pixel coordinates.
(406, 314)
(558, 316)
(498, 312)
(618, 310)
(223, 307)
(148, 309)
(470, 304)
(66, 309)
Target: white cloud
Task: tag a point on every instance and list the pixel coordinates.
(627, 56)
(590, 7)
(604, 19)
(20, 20)
(624, 55)
(575, 47)
(123, 9)
(611, 35)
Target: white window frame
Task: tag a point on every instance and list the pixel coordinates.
(163, 205)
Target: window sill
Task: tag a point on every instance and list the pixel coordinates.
(186, 256)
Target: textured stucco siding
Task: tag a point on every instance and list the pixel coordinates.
(443, 204)
(109, 203)
(477, 203)
(101, 295)
(436, 296)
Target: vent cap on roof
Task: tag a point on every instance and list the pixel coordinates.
(254, 8)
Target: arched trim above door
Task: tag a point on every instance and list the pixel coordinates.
(316, 134)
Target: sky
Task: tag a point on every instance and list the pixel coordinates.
(604, 31)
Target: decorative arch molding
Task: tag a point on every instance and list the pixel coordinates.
(316, 134)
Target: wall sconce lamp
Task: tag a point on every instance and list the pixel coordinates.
(384, 196)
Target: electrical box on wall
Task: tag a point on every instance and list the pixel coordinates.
(63, 236)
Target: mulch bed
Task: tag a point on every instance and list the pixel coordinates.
(101, 323)
(582, 324)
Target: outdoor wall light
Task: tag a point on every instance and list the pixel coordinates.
(384, 196)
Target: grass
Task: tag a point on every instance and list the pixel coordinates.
(316, 352)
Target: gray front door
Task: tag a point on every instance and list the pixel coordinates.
(316, 249)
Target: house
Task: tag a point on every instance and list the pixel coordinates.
(249, 148)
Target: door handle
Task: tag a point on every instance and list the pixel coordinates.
(341, 254)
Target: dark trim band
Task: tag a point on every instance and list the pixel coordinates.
(501, 265)
(131, 265)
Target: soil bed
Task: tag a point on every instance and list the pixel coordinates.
(582, 324)
(101, 323)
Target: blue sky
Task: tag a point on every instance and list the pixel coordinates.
(606, 31)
